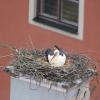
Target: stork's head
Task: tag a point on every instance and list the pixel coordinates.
(58, 51)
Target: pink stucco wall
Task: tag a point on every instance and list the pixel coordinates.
(15, 29)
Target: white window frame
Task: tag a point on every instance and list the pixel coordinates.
(32, 14)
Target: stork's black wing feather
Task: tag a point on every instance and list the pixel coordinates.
(49, 52)
(62, 52)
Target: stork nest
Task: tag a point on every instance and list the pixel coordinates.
(33, 63)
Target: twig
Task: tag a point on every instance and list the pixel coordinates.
(8, 46)
(31, 42)
(6, 56)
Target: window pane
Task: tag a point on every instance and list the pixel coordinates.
(50, 7)
(70, 10)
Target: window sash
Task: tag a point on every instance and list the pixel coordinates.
(46, 11)
(56, 19)
(70, 15)
(60, 13)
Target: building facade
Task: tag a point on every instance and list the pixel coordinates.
(18, 28)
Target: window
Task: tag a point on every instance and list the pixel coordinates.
(64, 15)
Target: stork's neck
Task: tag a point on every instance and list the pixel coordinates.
(56, 52)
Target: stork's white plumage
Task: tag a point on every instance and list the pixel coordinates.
(57, 58)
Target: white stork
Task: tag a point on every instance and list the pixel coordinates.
(56, 57)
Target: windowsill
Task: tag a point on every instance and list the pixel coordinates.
(61, 26)
(53, 29)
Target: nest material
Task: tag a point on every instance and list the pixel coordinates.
(33, 63)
